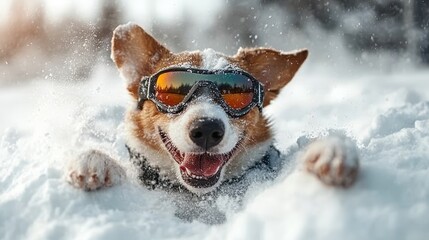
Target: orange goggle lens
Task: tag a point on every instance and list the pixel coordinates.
(236, 89)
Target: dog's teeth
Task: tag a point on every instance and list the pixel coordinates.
(195, 176)
(190, 174)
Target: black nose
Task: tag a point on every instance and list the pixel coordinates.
(207, 132)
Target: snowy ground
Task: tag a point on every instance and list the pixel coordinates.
(43, 124)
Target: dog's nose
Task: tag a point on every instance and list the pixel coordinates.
(207, 132)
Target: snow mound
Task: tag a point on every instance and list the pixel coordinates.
(400, 118)
(389, 201)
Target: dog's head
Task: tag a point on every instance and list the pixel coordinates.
(202, 145)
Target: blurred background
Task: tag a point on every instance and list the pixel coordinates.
(64, 40)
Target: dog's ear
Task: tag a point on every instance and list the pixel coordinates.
(274, 69)
(135, 54)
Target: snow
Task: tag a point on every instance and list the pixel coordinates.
(44, 124)
(212, 60)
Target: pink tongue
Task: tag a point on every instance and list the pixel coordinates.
(202, 164)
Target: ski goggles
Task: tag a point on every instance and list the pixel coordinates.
(171, 89)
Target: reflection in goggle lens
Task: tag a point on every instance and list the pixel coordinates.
(172, 87)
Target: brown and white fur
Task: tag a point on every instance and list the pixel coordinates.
(136, 54)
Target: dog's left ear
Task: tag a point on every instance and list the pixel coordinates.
(273, 68)
(136, 54)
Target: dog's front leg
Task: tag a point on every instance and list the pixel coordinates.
(92, 170)
(334, 160)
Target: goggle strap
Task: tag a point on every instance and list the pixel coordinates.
(143, 92)
(260, 97)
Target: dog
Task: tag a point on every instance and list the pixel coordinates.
(197, 126)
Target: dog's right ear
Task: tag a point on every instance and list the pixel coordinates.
(135, 54)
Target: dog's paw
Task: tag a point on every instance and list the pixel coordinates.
(93, 170)
(333, 160)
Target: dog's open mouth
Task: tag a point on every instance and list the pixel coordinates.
(200, 170)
